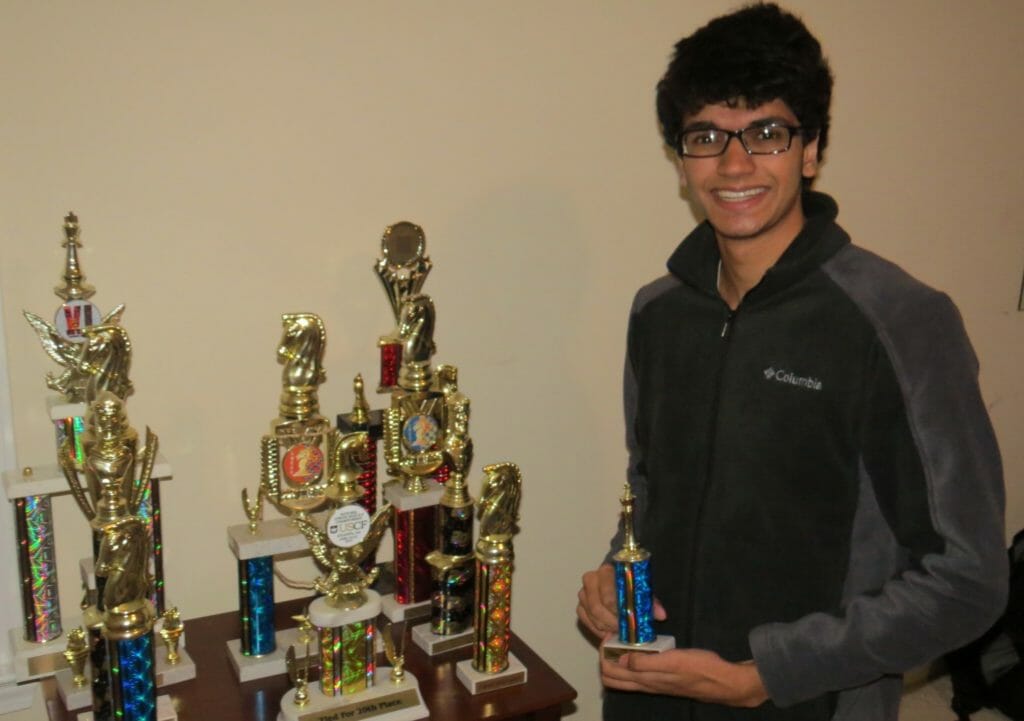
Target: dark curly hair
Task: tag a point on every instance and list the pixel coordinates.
(752, 56)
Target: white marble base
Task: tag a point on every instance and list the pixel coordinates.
(48, 479)
(164, 710)
(272, 538)
(613, 649)
(435, 645)
(37, 660)
(250, 668)
(167, 674)
(323, 615)
(477, 682)
(22, 703)
(74, 697)
(403, 500)
(385, 701)
(411, 612)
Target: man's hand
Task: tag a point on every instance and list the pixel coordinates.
(598, 607)
(694, 673)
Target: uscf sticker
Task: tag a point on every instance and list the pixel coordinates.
(348, 526)
(303, 464)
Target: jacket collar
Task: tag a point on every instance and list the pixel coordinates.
(695, 261)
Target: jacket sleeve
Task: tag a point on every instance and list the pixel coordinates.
(928, 568)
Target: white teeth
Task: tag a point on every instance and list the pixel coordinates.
(739, 194)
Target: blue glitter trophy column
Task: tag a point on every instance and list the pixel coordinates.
(635, 598)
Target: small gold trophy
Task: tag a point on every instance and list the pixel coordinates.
(493, 666)
(75, 654)
(345, 616)
(171, 632)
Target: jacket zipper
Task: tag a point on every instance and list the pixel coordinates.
(726, 334)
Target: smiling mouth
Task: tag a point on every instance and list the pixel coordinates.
(738, 195)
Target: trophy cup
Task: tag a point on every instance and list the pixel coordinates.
(121, 622)
(493, 666)
(72, 684)
(402, 269)
(633, 588)
(452, 563)
(345, 618)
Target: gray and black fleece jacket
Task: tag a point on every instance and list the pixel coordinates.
(818, 481)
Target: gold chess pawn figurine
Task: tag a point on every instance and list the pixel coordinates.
(395, 651)
(171, 634)
(76, 653)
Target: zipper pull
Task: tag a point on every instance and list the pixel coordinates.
(727, 325)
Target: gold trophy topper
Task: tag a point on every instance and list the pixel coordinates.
(294, 456)
(402, 267)
(62, 339)
(351, 537)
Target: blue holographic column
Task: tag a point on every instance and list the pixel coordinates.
(133, 685)
(633, 583)
(256, 602)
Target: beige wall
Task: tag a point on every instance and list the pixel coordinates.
(231, 161)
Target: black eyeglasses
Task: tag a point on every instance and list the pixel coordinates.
(770, 139)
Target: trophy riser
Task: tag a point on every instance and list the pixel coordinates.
(435, 645)
(164, 710)
(346, 645)
(492, 618)
(414, 537)
(38, 568)
(384, 701)
(133, 678)
(613, 649)
(256, 605)
(477, 682)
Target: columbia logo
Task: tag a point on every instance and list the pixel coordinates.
(789, 378)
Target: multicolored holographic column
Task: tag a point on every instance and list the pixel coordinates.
(634, 594)
(402, 269)
(493, 666)
(37, 564)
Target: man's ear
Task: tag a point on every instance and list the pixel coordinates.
(810, 159)
(678, 160)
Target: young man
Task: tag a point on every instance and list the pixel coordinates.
(816, 476)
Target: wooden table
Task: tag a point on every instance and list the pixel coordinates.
(216, 695)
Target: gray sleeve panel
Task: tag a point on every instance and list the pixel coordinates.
(916, 612)
(634, 469)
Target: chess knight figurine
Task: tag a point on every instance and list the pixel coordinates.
(91, 364)
(493, 666)
(452, 562)
(402, 269)
(633, 589)
(345, 616)
(423, 415)
(123, 681)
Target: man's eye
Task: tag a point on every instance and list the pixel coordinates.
(703, 137)
(771, 132)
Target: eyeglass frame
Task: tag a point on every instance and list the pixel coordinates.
(738, 134)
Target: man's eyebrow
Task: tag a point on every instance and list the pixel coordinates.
(759, 123)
